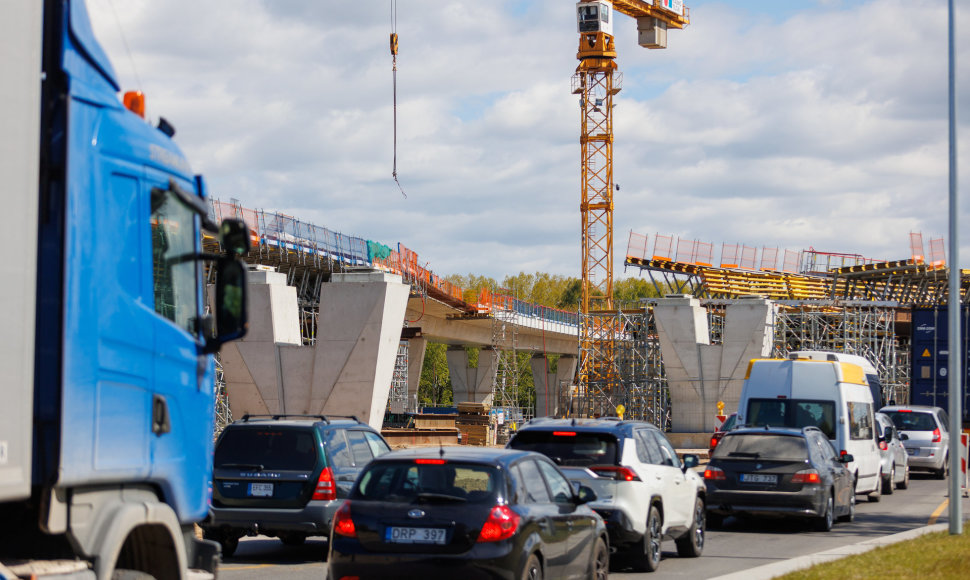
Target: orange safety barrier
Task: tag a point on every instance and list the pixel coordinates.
(937, 253)
(916, 247)
(636, 246)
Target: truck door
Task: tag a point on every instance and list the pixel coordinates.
(181, 419)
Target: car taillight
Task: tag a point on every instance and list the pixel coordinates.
(714, 473)
(617, 472)
(500, 525)
(326, 490)
(343, 524)
(806, 476)
(714, 441)
(883, 446)
(936, 435)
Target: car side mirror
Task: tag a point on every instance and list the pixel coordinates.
(903, 437)
(847, 458)
(585, 495)
(690, 460)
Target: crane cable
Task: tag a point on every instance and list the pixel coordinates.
(394, 74)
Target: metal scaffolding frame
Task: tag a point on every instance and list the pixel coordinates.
(397, 398)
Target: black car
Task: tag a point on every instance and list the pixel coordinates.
(285, 475)
(777, 471)
(467, 513)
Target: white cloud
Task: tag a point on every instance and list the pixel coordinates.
(823, 125)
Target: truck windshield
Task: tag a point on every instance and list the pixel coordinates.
(793, 413)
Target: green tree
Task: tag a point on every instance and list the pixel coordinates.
(434, 388)
(628, 291)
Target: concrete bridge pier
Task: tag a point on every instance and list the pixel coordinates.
(699, 373)
(547, 383)
(349, 369)
(472, 384)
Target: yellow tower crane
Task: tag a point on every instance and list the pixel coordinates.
(596, 81)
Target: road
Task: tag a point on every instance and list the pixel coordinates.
(737, 546)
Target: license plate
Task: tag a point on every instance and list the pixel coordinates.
(261, 490)
(396, 535)
(758, 478)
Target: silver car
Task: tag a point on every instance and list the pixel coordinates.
(894, 465)
(927, 436)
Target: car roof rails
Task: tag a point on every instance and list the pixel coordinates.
(278, 416)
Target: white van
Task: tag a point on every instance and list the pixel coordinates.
(872, 375)
(831, 395)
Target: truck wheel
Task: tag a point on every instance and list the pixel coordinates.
(646, 553)
(691, 544)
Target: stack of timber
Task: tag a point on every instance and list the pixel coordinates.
(475, 424)
(424, 429)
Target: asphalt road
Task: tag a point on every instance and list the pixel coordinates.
(739, 545)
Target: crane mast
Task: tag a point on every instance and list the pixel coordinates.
(596, 81)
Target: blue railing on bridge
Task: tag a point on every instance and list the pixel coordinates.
(287, 232)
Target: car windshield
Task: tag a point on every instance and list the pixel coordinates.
(569, 448)
(761, 446)
(910, 421)
(272, 448)
(428, 480)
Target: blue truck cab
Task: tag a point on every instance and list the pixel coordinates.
(107, 330)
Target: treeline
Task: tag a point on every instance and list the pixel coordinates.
(540, 288)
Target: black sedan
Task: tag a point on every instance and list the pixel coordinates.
(467, 513)
(779, 471)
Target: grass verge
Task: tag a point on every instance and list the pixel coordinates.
(929, 557)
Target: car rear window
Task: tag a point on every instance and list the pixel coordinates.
(796, 413)
(406, 481)
(273, 448)
(761, 446)
(912, 421)
(569, 448)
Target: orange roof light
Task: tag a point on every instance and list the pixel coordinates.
(135, 102)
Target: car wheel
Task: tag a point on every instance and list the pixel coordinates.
(691, 544)
(904, 484)
(599, 566)
(823, 523)
(293, 539)
(942, 472)
(533, 568)
(889, 484)
(851, 515)
(646, 553)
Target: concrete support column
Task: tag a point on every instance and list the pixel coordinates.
(547, 383)
(698, 373)
(472, 385)
(416, 348)
(349, 369)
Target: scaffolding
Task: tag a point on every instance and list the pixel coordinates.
(862, 328)
(397, 399)
(505, 385)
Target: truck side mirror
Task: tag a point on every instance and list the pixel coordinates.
(234, 236)
(230, 307)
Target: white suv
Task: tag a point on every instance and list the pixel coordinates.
(644, 491)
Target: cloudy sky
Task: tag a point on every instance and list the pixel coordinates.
(789, 124)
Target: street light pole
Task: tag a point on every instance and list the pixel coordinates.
(954, 306)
